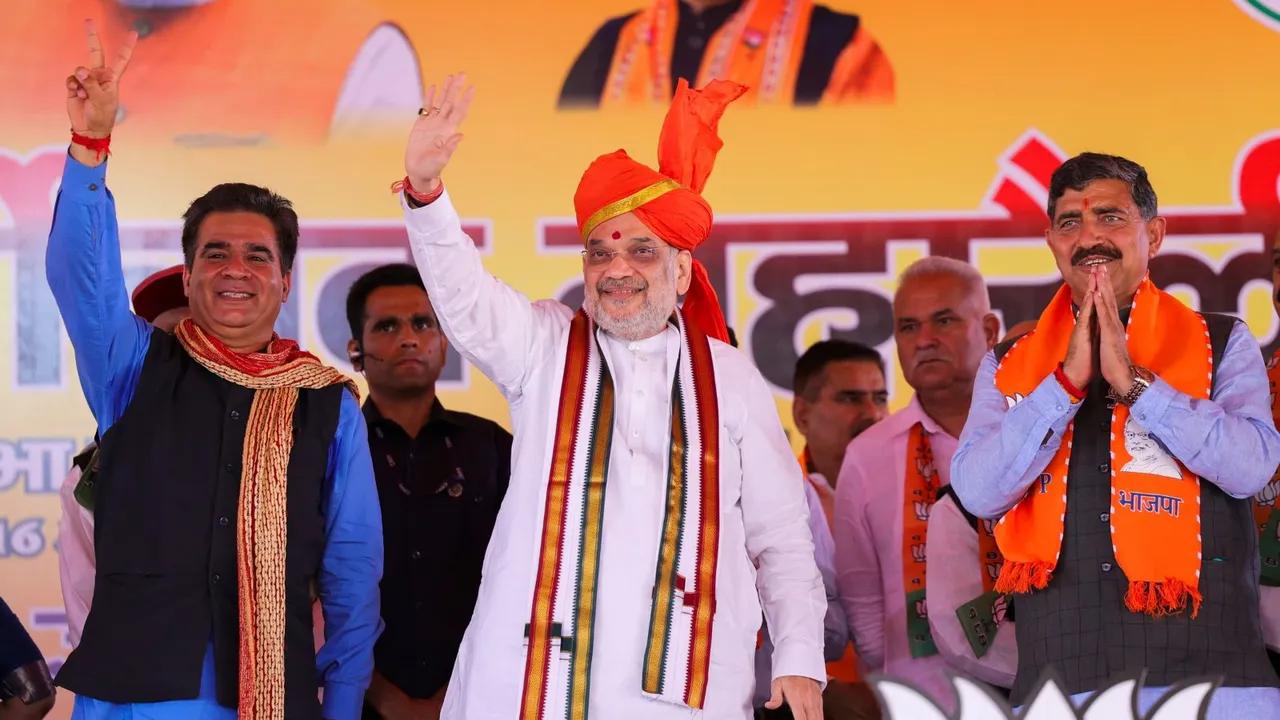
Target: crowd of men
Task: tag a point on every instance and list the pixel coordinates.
(1091, 495)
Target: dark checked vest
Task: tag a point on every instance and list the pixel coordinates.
(1079, 624)
(165, 501)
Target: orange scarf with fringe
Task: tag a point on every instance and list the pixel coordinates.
(1155, 501)
(277, 374)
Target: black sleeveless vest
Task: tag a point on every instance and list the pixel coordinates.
(165, 534)
(1079, 624)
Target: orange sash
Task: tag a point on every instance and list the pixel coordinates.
(989, 554)
(1261, 511)
(1155, 511)
(761, 47)
(826, 495)
(1264, 503)
(919, 494)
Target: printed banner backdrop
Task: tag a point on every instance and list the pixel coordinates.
(819, 207)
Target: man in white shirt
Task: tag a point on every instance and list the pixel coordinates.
(654, 504)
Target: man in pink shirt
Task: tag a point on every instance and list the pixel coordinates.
(161, 301)
(943, 326)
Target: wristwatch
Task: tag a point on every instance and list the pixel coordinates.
(1142, 379)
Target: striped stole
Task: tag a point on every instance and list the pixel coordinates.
(559, 635)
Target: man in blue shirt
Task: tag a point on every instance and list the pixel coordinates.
(234, 478)
(1115, 387)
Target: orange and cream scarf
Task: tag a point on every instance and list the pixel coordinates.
(560, 634)
(1265, 512)
(761, 47)
(1155, 500)
(276, 374)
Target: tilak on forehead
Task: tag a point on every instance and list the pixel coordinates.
(668, 200)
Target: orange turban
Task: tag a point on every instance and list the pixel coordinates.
(668, 201)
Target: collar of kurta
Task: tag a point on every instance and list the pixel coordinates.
(902, 421)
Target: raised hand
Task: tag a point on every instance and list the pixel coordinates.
(93, 92)
(1117, 367)
(435, 133)
(1079, 365)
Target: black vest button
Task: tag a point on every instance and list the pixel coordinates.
(1106, 567)
(231, 467)
(1105, 517)
(415, 555)
(235, 414)
(216, 577)
(223, 521)
(1104, 467)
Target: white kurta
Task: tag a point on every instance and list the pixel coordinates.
(766, 555)
(953, 579)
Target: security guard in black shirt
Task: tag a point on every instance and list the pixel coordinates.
(441, 477)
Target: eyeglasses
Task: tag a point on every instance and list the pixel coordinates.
(639, 255)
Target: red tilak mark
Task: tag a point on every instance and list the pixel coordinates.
(1086, 204)
(617, 235)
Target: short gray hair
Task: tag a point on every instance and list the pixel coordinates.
(934, 265)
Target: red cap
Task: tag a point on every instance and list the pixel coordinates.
(160, 292)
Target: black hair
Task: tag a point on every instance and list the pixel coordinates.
(1079, 171)
(242, 197)
(393, 275)
(812, 365)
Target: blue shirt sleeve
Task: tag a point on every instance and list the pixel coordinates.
(1229, 440)
(350, 569)
(1002, 450)
(82, 265)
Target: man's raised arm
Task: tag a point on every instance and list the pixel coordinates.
(82, 262)
(491, 324)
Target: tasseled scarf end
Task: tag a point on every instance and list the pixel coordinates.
(1023, 577)
(1162, 598)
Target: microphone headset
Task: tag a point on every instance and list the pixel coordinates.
(359, 355)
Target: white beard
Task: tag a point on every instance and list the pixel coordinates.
(659, 302)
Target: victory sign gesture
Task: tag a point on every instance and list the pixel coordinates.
(435, 133)
(93, 93)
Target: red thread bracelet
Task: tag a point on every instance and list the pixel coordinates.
(98, 145)
(421, 198)
(1061, 375)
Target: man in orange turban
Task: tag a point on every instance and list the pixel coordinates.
(655, 507)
